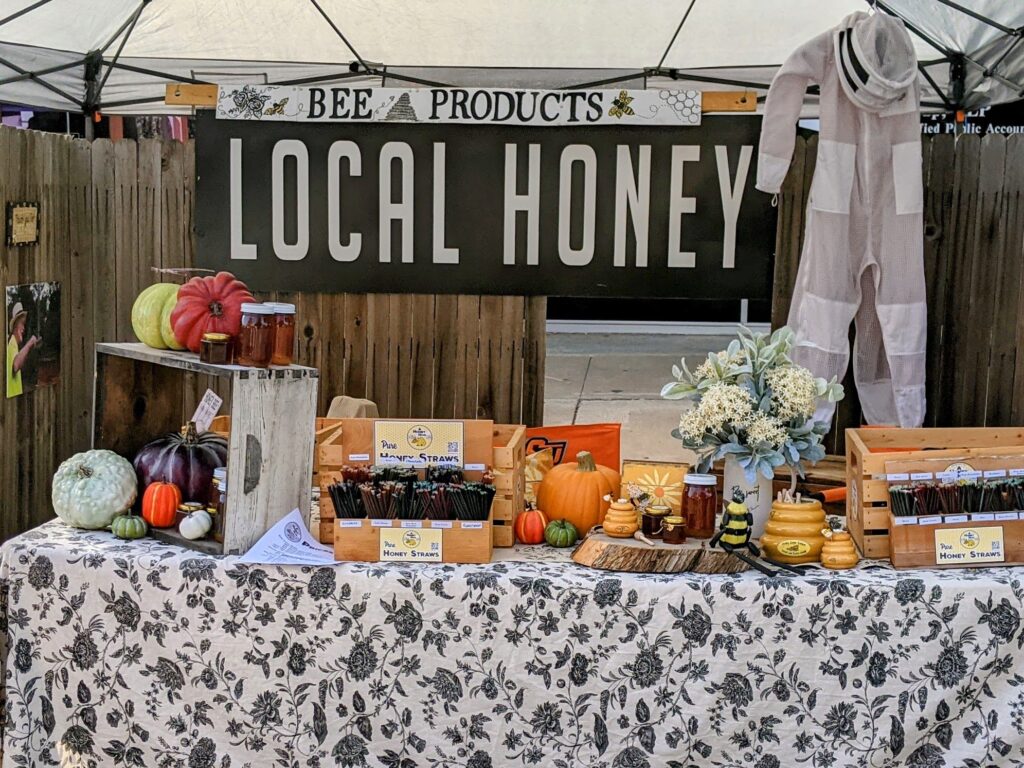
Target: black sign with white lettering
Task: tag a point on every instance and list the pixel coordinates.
(594, 211)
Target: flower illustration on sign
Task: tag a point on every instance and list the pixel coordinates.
(248, 102)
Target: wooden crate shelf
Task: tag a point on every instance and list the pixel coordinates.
(868, 451)
(140, 394)
(507, 449)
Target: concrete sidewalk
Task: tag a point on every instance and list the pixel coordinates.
(594, 378)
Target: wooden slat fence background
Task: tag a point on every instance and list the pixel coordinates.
(112, 211)
(974, 266)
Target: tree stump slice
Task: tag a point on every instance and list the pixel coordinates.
(598, 550)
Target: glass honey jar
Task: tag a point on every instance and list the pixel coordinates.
(700, 505)
(284, 333)
(256, 339)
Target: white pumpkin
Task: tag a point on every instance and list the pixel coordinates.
(92, 488)
(196, 525)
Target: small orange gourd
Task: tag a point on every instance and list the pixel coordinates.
(575, 491)
(160, 504)
(530, 525)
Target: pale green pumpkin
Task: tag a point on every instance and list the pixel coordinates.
(91, 488)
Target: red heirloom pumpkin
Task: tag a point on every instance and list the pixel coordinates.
(210, 304)
(530, 525)
(160, 504)
(185, 459)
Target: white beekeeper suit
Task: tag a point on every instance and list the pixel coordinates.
(862, 257)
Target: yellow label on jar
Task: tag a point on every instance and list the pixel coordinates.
(794, 547)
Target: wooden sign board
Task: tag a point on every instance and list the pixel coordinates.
(22, 223)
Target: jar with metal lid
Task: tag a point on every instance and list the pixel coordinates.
(216, 349)
(653, 519)
(700, 504)
(219, 487)
(284, 333)
(256, 339)
(674, 530)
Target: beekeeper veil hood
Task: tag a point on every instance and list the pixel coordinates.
(875, 58)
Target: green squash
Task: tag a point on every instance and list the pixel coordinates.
(561, 533)
(129, 527)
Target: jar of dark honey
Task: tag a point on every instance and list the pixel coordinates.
(700, 505)
(256, 339)
(284, 333)
(215, 348)
(653, 521)
(674, 530)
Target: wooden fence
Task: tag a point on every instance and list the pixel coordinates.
(111, 211)
(974, 265)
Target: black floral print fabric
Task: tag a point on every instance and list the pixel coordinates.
(138, 654)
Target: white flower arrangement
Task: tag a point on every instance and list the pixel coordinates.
(752, 402)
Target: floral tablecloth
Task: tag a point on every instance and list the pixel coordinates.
(140, 654)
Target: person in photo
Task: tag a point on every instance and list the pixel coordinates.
(18, 348)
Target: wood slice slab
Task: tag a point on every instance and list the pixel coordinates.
(599, 550)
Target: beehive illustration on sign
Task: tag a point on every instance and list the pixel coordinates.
(402, 110)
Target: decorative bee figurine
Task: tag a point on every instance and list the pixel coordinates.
(734, 537)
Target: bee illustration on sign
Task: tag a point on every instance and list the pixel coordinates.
(411, 539)
(420, 437)
(277, 108)
(620, 105)
(970, 539)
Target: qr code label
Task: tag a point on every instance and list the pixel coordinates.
(453, 446)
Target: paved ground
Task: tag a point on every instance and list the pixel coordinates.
(617, 377)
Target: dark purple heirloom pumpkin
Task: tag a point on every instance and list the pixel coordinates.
(184, 458)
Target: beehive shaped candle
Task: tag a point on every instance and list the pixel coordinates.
(793, 532)
(838, 552)
(620, 519)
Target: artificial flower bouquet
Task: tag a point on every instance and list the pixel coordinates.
(751, 402)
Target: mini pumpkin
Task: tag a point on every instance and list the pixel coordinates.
(160, 504)
(576, 491)
(129, 527)
(561, 533)
(196, 525)
(530, 525)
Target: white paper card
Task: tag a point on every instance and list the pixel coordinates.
(955, 518)
(475, 467)
(472, 525)
(983, 516)
(377, 523)
(412, 523)
(440, 523)
(930, 520)
(897, 476)
(359, 457)
(350, 523)
(289, 542)
(1019, 472)
(909, 520)
(1007, 516)
(921, 475)
(207, 410)
(995, 473)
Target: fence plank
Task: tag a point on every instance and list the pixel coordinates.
(126, 236)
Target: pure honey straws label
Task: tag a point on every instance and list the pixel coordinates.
(969, 545)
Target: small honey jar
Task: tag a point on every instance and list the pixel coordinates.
(674, 530)
(653, 520)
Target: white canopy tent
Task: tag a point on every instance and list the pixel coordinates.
(118, 55)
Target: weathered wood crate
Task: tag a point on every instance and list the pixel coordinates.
(507, 459)
(868, 451)
(140, 394)
(324, 428)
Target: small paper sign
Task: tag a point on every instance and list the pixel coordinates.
(207, 410)
(930, 520)
(420, 545)
(969, 545)
(921, 476)
(895, 477)
(905, 520)
(418, 443)
(440, 523)
(350, 523)
(359, 457)
(1007, 516)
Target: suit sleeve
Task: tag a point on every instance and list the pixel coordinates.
(804, 67)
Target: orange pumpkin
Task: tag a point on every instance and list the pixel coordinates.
(160, 504)
(530, 526)
(575, 491)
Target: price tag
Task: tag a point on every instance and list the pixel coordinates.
(207, 410)
(420, 545)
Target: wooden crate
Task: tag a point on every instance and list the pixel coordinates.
(868, 450)
(140, 394)
(913, 546)
(324, 428)
(461, 542)
(507, 460)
